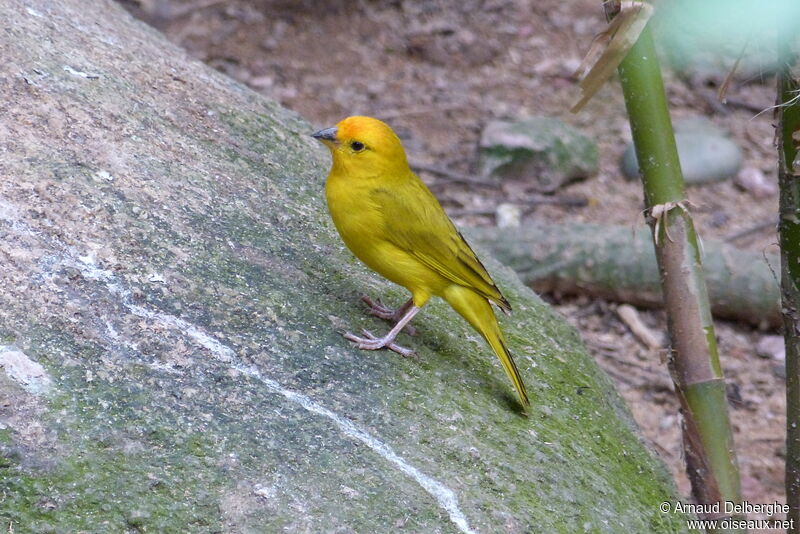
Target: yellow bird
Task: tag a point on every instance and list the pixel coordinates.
(392, 222)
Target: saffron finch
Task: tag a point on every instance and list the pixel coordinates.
(392, 222)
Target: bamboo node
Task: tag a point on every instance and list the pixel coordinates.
(659, 211)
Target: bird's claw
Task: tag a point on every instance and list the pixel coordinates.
(371, 342)
(377, 309)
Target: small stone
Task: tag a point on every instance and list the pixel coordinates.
(104, 175)
(508, 215)
(706, 153)
(771, 347)
(755, 182)
(543, 152)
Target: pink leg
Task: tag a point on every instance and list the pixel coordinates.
(370, 342)
(377, 309)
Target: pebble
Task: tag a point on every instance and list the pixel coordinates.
(755, 182)
(706, 153)
(508, 216)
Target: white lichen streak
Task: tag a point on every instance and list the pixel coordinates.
(76, 72)
(445, 497)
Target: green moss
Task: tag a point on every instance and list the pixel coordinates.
(103, 479)
(98, 491)
(147, 428)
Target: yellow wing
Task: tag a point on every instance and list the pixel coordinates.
(416, 222)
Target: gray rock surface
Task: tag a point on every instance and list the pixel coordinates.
(544, 153)
(169, 263)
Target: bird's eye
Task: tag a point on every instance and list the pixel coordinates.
(357, 146)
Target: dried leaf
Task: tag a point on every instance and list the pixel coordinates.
(610, 47)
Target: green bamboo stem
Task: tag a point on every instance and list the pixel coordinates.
(694, 360)
(788, 113)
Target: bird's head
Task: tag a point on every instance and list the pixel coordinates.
(363, 145)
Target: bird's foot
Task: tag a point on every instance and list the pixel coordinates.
(371, 342)
(377, 309)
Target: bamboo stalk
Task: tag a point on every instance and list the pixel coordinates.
(788, 114)
(694, 360)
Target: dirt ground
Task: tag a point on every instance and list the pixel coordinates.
(437, 71)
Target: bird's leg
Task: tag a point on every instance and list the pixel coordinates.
(377, 309)
(370, 342)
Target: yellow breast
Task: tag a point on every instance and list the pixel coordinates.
(362, 226)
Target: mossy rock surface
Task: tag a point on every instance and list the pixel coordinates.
(170, 265)
(543, 153)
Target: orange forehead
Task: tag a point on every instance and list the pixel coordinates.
(363, 127)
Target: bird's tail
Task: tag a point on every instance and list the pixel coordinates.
(478, 313)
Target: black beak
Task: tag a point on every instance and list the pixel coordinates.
(328, 134)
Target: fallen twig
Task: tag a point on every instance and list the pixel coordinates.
(641, 331)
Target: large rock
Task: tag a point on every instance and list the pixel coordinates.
(169, 263)
(542, 153)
